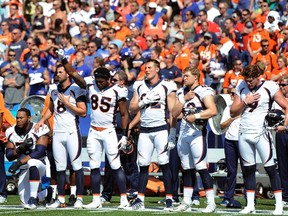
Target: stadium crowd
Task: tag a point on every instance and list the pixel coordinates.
(130, 37)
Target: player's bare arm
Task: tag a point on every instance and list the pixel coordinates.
(124, 114)
(49, 112)
(281, 100)
(80, 109)
(171, 101)
(134, 107)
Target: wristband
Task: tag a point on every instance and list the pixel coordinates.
(286, 127)
(182, 100)
(197, 115)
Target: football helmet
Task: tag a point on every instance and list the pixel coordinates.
(129, 148)
(274, 118)
(221, 166)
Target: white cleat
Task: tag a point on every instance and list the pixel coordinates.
(123, 204)
(3, 199)
(56, 204)
(210, 208)
(136, 205)
(93, 205)
(248, 210)
(183, 207)
(78, 204)
(278, 210)
(196, 202)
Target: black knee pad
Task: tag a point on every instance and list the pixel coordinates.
(206, 179)
(271, 170)
(274, 177)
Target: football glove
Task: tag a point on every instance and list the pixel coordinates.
(14, 167)
(171, 139)
(60, 53)
(24, 148)
(122, 143)
(149, 98)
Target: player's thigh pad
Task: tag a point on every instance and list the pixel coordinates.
(160, 142)
(247, 148)
(39, 164)
(59, 150)
(145, 148)
(110, 144)
(94, 148)
(265, 149)
(74, 148)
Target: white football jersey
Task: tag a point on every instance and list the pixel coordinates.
(17, 139)
(64, 119)
(154, 115)
(195, 105)
(253, 116)
(104, 103)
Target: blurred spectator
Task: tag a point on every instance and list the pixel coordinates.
(220, 19)
(77, 43)
(38, 78)
(232, 77)
(108, 12)
(171, 72)
(267, 57)
(40, 22)
(76, 13)
(27, 52)
(67, 45)
(281, 70)
(236, 16)
(173, 28)
(92, 35)
(137, 61)
(188, 5)
(98, 62)
(153, 23)
(6, 35)
(14, 83)
(181, 58)
(188, 26)
(233, 34)
(83, 28)
(92, 53)
(103, 51)
(78, 64)
(112, 62)
(135, 18)
(5, 66)
(35, 51)
(126, 49)
(17, 44)
(122, 29)
(113, 39)
(58, 20)
(16, 21)
(138, 39)
(150, 46)
(212, 12)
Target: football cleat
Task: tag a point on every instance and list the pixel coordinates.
(93, 205)
(32, 203)
(56, 204)
(168, 205)
(71, 201)
(78, 204)
(248, 210)
(183, 207)
(136, 205)
(210, 208)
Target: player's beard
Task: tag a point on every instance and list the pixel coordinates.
(22, 130)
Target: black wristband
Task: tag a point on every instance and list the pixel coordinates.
(124, 132)
(19, 151)
(64, 61)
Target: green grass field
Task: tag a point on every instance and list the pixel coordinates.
(12, 207)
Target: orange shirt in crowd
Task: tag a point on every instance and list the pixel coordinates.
(269, 59)
(231, 79)
(255, 38)
(206, 53)
(7, 115)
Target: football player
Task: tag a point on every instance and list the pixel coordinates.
(196, 103)
(253, 100)
(152, 96)
(104, 99)
(29, 148)
(68, 102)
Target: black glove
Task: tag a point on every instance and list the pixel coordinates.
(24, 148)
(14, 167)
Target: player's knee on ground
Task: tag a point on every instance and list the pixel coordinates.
(274, 177)
(33, 162)
(249, 176)
(207, 180)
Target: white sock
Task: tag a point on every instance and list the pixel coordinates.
(210, 196)
(250, 198)
(141, 197)
(278, 198)
(96, 198)
(54, 187)
(187, 194)
(61, 199)
(73, 190)
(34, 185)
